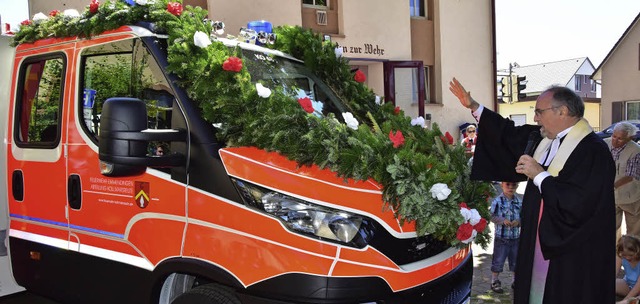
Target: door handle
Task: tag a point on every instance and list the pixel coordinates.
(17, 185)
(74, 191)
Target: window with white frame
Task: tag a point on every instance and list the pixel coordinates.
(578, 83)
(593, 85)
(417, 8)
(632, 110)
(318, 3)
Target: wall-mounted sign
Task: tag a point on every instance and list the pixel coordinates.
(366, 49)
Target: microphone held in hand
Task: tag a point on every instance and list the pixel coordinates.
(532, 142)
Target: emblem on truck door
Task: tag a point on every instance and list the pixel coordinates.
(141, 194)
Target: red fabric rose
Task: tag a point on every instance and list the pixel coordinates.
(396, 110)
(233, 64)
(449, 138)
(480, 225)
(359, 76)
(463, 205)
(174, 8)
(397, 139)
(26, 22)
(54, 13)
(465, 231)
(93, 7)
(306, 104)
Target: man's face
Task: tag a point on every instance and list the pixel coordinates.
(619, 139)
(547, 116)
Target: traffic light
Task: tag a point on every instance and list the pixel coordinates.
(521, 84)
(506, 89)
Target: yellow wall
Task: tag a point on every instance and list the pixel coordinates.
(591, 111)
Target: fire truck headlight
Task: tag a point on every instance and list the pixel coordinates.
(305, 217)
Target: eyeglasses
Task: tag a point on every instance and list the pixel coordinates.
(471, 131)
(539, 112)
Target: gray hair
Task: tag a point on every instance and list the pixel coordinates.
(628, 128)
(563, 96)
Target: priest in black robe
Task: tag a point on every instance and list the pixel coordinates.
(567, 243)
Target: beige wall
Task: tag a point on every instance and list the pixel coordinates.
(620, 75)
(236, 14)
(463, 50)
(368, 26)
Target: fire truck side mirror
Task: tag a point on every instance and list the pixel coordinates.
(124, 139)
(128, 115)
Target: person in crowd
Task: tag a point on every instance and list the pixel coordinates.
(505, 214)
(628, 259)
(568, 214)
(626, 154)
(470, 139)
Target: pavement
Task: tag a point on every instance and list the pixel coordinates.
(481, 289)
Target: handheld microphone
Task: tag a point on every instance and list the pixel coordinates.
(534, 138)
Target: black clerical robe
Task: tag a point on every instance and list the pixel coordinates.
(577, 228)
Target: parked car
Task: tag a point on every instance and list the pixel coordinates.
(606, 133)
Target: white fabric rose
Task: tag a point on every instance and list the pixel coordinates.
(71, 13)
(418, 121)
(466, 214)
(351, 121)
(144, 2)
(318, 106)
(201, 39)
(440, 191)
(378, 102)
(263, 91)
(40, 16)
(473, 236)
(338, 52)
(474, 217)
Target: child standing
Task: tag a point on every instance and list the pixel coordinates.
(505, 214)
(628, 257)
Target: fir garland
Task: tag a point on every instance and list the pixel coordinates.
(406, 160)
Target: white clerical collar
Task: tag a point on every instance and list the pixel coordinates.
(555, 145)
(564, 132)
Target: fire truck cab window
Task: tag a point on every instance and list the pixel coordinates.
(39, 99)
(124, 69)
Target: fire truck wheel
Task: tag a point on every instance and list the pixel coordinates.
(207, 294)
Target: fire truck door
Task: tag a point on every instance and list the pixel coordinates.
(121, 218)
(36, 165)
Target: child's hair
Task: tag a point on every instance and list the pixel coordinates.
(629, 243)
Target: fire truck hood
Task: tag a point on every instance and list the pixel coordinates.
(313, 184)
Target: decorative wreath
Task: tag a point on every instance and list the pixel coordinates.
(425, 176)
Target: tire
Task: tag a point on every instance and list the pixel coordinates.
(208, 294)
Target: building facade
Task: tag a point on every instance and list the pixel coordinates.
(619, 74)
(571, 73)
(409, 50)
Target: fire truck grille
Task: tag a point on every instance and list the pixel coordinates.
(405, 251)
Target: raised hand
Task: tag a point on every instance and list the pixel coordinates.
(463, 95)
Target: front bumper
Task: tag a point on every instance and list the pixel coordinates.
(452, 288)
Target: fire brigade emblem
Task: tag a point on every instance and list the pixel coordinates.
(141, 194)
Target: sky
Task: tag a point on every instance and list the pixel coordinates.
(527, 31)
(13, 12)
(538, 31)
